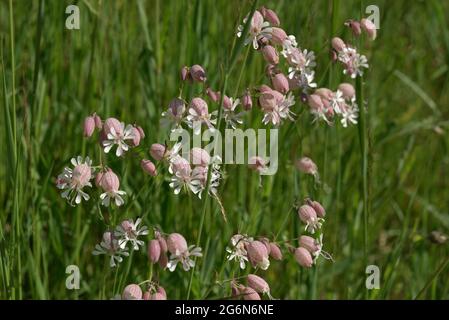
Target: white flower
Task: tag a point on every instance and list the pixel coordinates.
(119, 139)
(116, 195)
(195, 120)
(238, 251)
(352, 61)
(280, 111)
(231, 118)
(72, 181)
(129, 231)
(109, 246)
(184, 258)
(349, 116)
(258, 29)
(288, 45)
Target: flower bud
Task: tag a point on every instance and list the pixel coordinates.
(324, 93)
(265, 89)
(270, 54)
(197, 73)
(98, 178)
(158, 151)
(310, 244)
(247, 102)
(97, 120)
(148, 167)
(280, 83)
(338, 44)
(275, 251)
(348, 90)
(176, 243)
(199, 157)
(141, 132)
(132, 292)
(320, 211)
(355, 27)
(315, 102)
(258, 284)
(89, 126)
(306, 165)
(162, 292)
(369, 27)
(303, 257)
(185, 74)
(177, 107)
(136, 137)
(110, 181)
(278, 36)
(163, 260)
(157, 296)
(307, 213)
(270, 16)
(213, 95)
(258, 254)
(154, 251)
(162, 243)
(146, 295)
(249, 294)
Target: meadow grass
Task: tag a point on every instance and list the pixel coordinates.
(384, 184)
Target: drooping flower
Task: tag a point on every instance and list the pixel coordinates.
(129, 231)
(72, 181)
(306, 165)
(197, 73)
(230, 116)
(116, 134)
(110, 185)
(109, 246)
(180, 253)
(258, 30)
(174, 115)
(308, 215)
(303, 257)
(257, 254)
(352, 61)
(369, 27)
(199, 114)
(148, 167)
(238, 251)
(89, 126)
(258, 284)
(132, 292)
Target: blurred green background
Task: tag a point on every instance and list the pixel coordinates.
(125, 61)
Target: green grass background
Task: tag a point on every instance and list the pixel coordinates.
(125, 61)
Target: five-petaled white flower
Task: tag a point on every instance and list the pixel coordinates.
(238, 251)
(129, 231)
(258, 30)
(72, 181)
(109, 246)
(118, 138)
(185, 258)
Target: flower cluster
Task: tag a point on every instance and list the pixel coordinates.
(115, 244)
(273, 42)
(112, 134)
(173, 249)
(134, 292)
(310, 246)
(326, 105)
(256, 286)
(257, 252)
